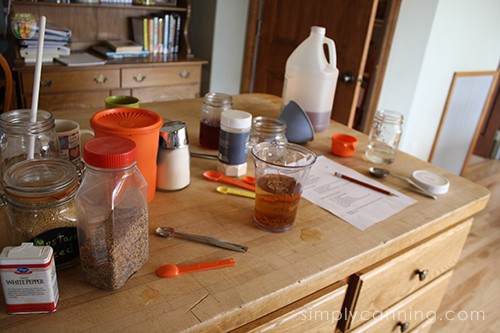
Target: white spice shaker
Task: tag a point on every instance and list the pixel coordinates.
(173, 157)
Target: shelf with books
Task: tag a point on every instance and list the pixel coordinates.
(147, 75)
(94, 23)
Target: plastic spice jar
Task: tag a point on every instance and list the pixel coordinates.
(39, 195)
(18, 134)
(213, 105)
(233, 149)
(113, 231)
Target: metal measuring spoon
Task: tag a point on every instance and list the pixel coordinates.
(382, 173)
(168, 232)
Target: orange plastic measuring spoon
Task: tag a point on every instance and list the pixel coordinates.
(216, 176)
(172, 270)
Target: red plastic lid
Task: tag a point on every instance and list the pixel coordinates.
(126, 120)
(110, 152)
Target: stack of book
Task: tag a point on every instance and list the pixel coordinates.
(56, 43)
(158, 33)
(120, 49)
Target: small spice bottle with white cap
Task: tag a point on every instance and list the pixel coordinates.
(234, 135)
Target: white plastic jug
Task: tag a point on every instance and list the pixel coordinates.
(311, 79)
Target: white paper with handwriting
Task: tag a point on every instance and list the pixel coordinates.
(360, 206)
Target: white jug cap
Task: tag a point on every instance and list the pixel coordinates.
(431, 182)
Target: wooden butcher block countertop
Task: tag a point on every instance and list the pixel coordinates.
(320, 250)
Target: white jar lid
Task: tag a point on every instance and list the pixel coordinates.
(236, 119)
(431, 182)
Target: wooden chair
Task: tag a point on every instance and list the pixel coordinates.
(8, 86)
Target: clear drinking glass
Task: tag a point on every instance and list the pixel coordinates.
(281, 171)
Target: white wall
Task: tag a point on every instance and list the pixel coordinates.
(434, 39)
(229, 45)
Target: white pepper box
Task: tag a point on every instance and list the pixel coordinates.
(29, 279)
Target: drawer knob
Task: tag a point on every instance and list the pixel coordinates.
(404, 326)
(184, 74)
(139, 78)
(46, 83)
(422, 274)
(100, 79)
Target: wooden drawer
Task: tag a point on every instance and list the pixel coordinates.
(379, 287)
(166, 93)
(70, 101)
(75, 80)
(161, 76)
(318, 312)
(416, 311)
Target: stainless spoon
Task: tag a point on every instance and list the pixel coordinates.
(382, 173)
(170, 232)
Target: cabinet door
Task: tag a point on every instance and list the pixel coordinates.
(318, 312)
(410, 312)
(382, 286)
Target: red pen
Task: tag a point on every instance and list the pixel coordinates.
(337, 174)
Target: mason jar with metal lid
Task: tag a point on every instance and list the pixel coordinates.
(18, 136)
(39, 195)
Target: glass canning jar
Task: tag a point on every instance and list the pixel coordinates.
(18, 135)
(213, 105)
(265, 129)
(39, 195)
(384, 137)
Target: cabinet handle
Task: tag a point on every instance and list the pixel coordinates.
(404, 326)
(139, 78)
(101, 79)
(184, 74)
(422, 274)
(46, 83)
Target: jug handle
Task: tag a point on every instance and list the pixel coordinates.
(331, 51)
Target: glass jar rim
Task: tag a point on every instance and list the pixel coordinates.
(40, 178)
(18, 122)
(218, 99)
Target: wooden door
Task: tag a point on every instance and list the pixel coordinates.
(286, 23)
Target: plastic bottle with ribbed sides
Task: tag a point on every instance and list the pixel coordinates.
(112, 198)
(311, 78)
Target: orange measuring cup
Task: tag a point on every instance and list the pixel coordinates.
(343, 144)
(172, 270)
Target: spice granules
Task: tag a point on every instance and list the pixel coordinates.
(115, 248)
